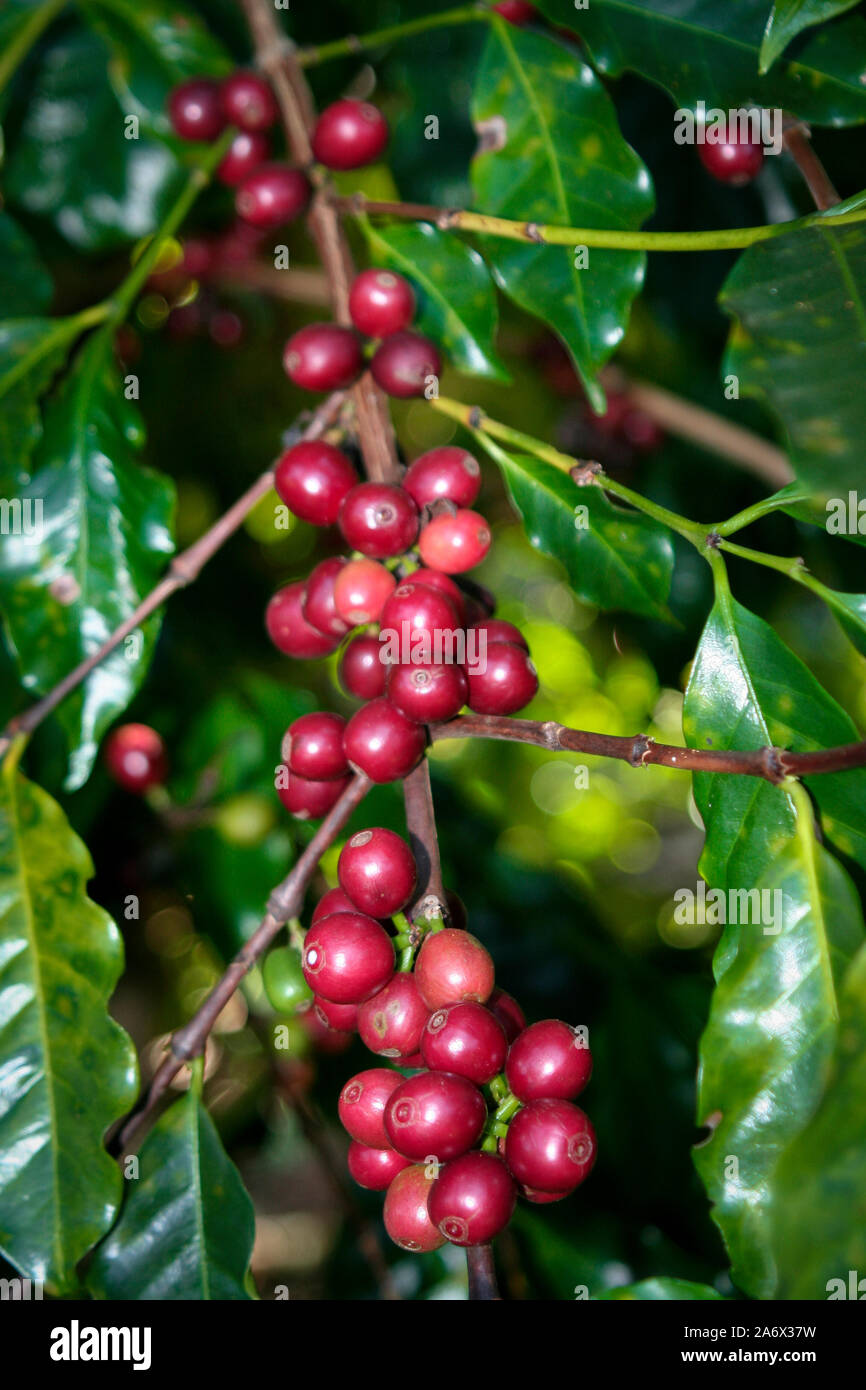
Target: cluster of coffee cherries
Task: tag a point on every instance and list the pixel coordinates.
(471, 1107)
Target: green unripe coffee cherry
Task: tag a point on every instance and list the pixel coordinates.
(284, 980)
(245, 820)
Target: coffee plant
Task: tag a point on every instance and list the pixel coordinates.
(311, 312)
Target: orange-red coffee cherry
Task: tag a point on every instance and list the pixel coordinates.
(453, 966)
(455, 543)
(362, 1102)
(405, 1211)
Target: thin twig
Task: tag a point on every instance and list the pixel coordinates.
(482, 1274)
(421, 825)
(798, 145)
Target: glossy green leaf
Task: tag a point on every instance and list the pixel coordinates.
(67, 1071)
(767, 1051)
(551, 151)
(798, 344)
(819, 1190)
(788, 18)
(104, 536)
(186, 1229)
(660, 1290)
(32, 351)
(456, 296)
(25, 285)
(614, 558)
(850, 613)
(707, 50)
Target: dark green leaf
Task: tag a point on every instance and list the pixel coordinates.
(25, 285)
(707, 50)
(788, 18)
(187, 1226)
(68, 1069)
(555, 154)
(659, 1290)
(456, 296)
(101, 547)
(850, 613)
(32, 351)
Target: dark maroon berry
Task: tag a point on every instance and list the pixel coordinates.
(508, 1012)
(362, 672)
(434, 1114)
(374, 1168)
(517, 12)
(391, 1023)
(454, 543)
(272, 195)
(135, 757)
(445, 472)
(318, 605)
(550, 1145)
(342, 1017)
(427, 691)
(313, 747)
(313, 478)
(504, 682)
(347, 957)
(307, 800)
(472, 1199)
(498, 630)
(381, 303)
(405, 1211)
(453, 966)
(548, 1059)
(403, 364)
(289, 630)
(382, 742)
(248, 101)
(335, 900)
(418, 614)
(245, 153)
(361, 590)
(195, 110)
(379, 519)
(377, 870)
(329, 1041)
(323, 357)
(362, 1102)
(465, 1039)
(349, 134)
(435, 579)
(734, 162)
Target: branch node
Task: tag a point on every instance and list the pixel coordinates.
(475, 417)
(585, 472)
(534, 233)
(641, 749)
(773, 762)
(549, 731)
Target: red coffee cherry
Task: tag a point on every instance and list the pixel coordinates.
(377, 870)
(374, 1168)
(135, 757)
(347, 957)
(548, 1059)
(313, 478)
(342, 1017)
(454, 543)
(245, 153)
(289, 630)
(550, 1145)
(313, 747)
(307, 800)
(403, 363)
(405, 1211)
(427, 691)
(517, 12)
(465, 1039)
(435, 579)
(195, 110)
(434, 1114)
(391, 1023)
(362, 1102)
(349, 134)
(428, 615)
(323, 357)
(542, 1198)
(508, 1012)
(379, 519)
(473, 1199)
(381, 302)
(453, 967)
(360, 591)
(445, 472)
(507, 682)
(329, 1041)
(272, 195)
(382, 742)
(248, 101)
(498, 630)
(335, 900)
(361, 672)
(734, 162)
(318, 605)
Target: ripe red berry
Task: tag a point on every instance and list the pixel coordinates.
(335, 900)
(245, 153)
(434, 1114)
(508, 1012)
(349, 134)
(498, 630)
(427, 691)
(446, 472)
(419, 614)
(542, 1198)
(195, 109)
(312, 478)
(517, 12)
(362, 672)
(405, 1211)
(465, 1039)
(380, 303)
(374, 1168)
(391, 1023)
(382, 742)
(308, 800)
(360, 591)
(313, 747)
(379, 519)
(347, 957)
(550, 1145)
(734, 162)
(324, 1039)
(403, 363)
(377, 870)
(453, 966)
(318, 605)
(548, 1059)
(272, 195)
(504, 682)
(323, 357)
(455, 543)
(362, 1102)
(342, 1017)
(289, 630)
(248, 101)
(473, 1199)
(135, 757)
(435, 579)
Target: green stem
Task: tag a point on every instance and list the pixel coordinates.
(27, 36)
(693, 531)
(758, 509)
(377, 38)
(793, 567)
